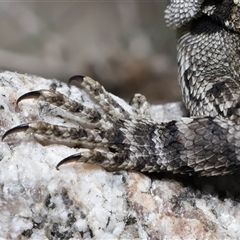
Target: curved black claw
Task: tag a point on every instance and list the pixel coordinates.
(72, 158)
(33, 94)
(76, 78)
(19, 128)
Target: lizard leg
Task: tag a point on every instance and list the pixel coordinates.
(203, 145)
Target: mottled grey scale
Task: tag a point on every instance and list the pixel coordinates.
(207, 143)
(205, 42)
(117, 138)
(217, 89)
(119, 160)
(103, 98)
(99, 158)
(172, 145)
(65, 103)
(143, 133)
(217, 147)
(77, 133)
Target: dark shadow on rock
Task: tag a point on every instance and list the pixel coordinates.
(224, 187)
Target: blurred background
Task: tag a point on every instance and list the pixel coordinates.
(125, 45)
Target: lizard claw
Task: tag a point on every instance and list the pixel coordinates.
(19, 128)
(75, 78)
(69, 159)
(28, 95)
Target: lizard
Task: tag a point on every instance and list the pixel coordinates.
(206, 143)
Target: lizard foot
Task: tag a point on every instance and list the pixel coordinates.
(106, 134)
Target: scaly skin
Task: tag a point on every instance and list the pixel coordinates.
(207, 143)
